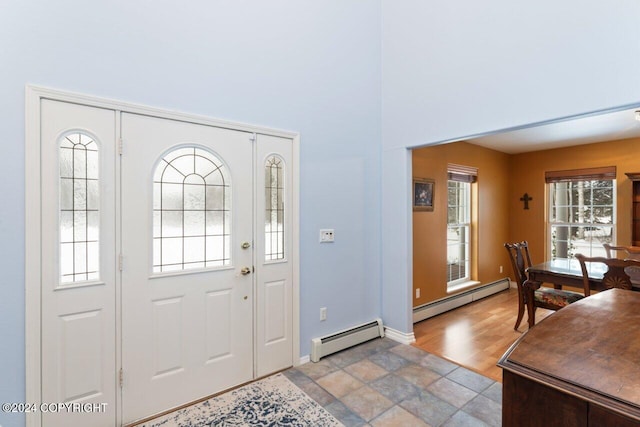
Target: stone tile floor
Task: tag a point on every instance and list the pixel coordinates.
(383, 383)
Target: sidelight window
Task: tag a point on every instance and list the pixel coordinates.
(79, 209)
(274, 209)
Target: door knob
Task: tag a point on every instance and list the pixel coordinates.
(245, 245)
(245, 271)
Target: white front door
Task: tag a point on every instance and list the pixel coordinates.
(187, 278)
(158, 276)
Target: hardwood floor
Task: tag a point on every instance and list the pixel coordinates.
(475, 335)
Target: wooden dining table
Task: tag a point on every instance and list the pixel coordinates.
(567, 272)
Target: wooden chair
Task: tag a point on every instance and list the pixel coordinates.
(632, 252)
(531, 294)
(621, 273)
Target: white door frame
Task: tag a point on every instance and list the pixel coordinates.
(33, 230)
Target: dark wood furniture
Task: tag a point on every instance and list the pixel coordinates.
(578, 367)
(635, 213)
(565, 271)
(619, 274)
(530, 294)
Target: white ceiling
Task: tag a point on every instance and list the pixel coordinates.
(576, 131)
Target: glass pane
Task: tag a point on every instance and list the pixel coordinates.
(79, 194)
(170, 174)
(93, 195)
(80, 226)
(215, 223)
(194, 248)
(93, 257)
(215, 248)
(92, 165)
(184, 164)
(215, 178)
(79, 162)
(93, 226)
(156, 255)
(66, 262)
(80, 252)
(274, 209)
(171, 196)
(194, 223)
(66, 227)
(204, 166)
(171, 251)
(66, 162)
(194, 196)
(190, 211)
(171, 224)
(215, 198)
(66, 194)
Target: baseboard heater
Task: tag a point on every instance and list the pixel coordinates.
(323, 346)
(438, 307)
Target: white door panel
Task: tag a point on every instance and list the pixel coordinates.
(78, 308)
(274, 300)
(186, 333)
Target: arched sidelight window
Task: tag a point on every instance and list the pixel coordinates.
(274, 206)
(79, 209)
(191, 211)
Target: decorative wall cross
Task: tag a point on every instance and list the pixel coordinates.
(526, 199)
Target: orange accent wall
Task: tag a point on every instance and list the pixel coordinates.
(502, 181)
(490, 221)
(527, 172)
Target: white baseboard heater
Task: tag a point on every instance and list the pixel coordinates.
(438, 307)
(323, 346)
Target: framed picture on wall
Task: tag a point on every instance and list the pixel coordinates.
(423, 194)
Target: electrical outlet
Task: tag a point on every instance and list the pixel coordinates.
(323, 314)
(417, 292)
(326, 235)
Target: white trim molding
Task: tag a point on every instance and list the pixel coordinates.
(401, 337)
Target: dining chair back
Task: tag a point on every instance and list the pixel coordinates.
(531, 294)
(631, 252)
(621, 273)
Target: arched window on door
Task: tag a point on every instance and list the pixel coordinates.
(191, 211)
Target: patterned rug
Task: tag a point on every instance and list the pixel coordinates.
(273, 401)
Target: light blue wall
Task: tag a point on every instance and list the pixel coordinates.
(458, 67)
(306, 66)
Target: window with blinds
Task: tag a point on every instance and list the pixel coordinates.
(581, 211)
(459, 181)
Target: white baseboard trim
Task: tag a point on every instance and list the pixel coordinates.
(401, 337)
(303, 360)
(438, 307)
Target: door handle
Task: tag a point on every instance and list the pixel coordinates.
(245, 271)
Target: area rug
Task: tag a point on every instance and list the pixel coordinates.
(273, 401)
